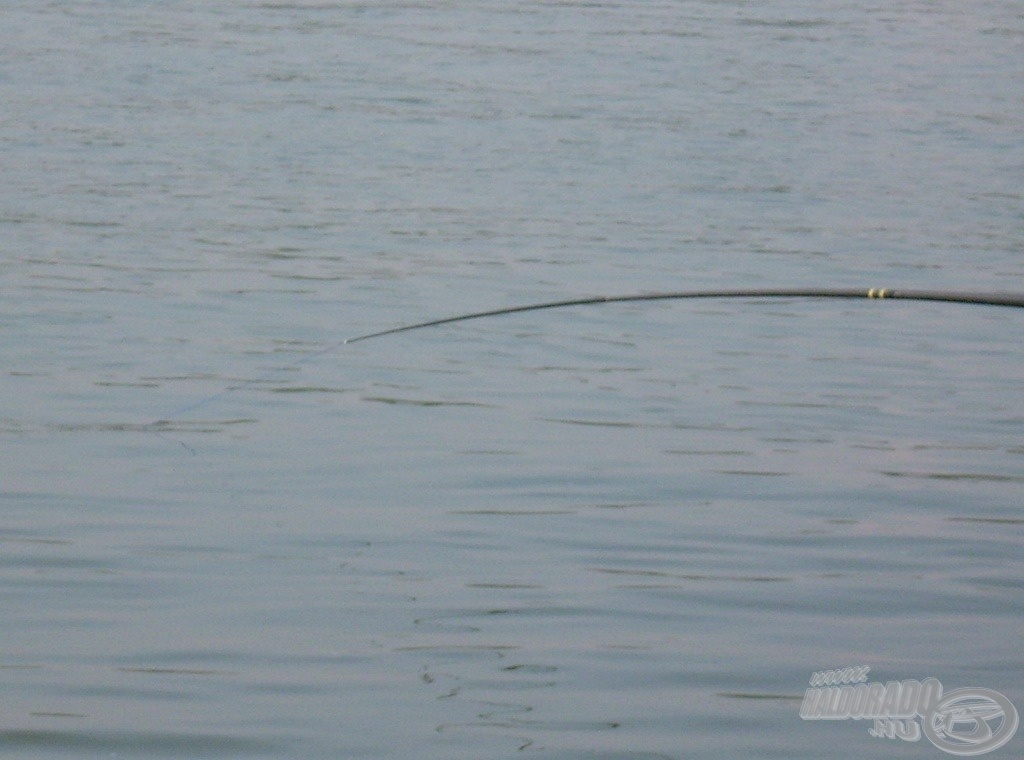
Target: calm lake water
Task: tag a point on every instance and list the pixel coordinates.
(629, 531)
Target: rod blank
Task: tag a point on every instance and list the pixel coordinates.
(983, 299)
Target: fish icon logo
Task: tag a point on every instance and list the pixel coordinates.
(971, 722)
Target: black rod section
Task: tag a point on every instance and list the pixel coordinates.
(984, 299)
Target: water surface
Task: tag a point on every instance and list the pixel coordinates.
(626, 531)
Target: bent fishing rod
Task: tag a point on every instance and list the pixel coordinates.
(942, 296)
(984, 299)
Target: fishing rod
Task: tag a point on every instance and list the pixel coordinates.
(983, 299)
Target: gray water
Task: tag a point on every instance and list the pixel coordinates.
(626, 531)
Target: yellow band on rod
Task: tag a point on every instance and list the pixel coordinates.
(878, 293)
